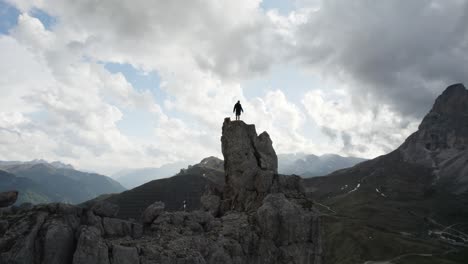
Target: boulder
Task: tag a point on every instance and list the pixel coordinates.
(91, 249)
(117, 227)
(8, 198)
(3, 226)
(283, 221)
(105, 209)
(211, 203)
(58, 243)
(124, 255)
(152, 212)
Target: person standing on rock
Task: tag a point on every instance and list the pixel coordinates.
(238, 109)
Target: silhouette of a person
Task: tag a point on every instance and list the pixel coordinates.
(238, 109)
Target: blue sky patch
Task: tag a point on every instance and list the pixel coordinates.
(140, 80)
(283, 6)
(137, 124)
(8, 17)
(291, 80)
(47, 20)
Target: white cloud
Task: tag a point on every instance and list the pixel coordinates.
(58, 97)
(363, 132)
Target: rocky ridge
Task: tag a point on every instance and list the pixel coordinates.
(259, 217)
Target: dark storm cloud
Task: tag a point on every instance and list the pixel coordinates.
(403, 53)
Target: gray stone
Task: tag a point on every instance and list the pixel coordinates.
(211, 203)
(94, 220)
(137, 230)
(105, 209)
(251, 167)
(21, 240)
(283, 221)
(152, 212)
(58, 244)
(8, 198)
(116, 227)
(91, 248)
(124, 255)
(3, 226)
(25, 206)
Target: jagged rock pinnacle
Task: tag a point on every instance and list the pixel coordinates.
(251, 168)
(250, 163)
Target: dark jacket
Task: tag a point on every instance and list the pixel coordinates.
(238, 108)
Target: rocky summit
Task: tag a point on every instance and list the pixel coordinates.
(251, 168)
(259, 217)
(441, 142)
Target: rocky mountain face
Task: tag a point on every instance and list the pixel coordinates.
(257, 217)
(310, 165)
(41, 182)
(409, 206)
(441, 142)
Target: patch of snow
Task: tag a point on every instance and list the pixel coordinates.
(344, 187)
(377, 190)
(355, 188)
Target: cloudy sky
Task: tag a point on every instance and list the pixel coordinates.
(114, 84)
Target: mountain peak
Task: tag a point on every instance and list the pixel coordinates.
(443, 136)
(454, 100)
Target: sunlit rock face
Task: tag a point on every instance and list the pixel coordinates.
(441, 141)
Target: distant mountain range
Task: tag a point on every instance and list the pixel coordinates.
(41, 182)
(310, 165)
(131, 178)
(190, 183)
(305, 165)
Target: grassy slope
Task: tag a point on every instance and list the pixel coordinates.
(365, 226)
